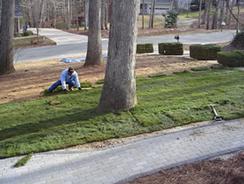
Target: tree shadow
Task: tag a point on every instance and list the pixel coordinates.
(69, 118)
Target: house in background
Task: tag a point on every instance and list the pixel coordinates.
(161, 6)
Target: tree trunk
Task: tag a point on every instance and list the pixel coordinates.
(205, 12)
(208, 13)
(222, 13)
(55, 15)
(238, 17)
(6, 37)
(232, 4)
(68, 15)
(94, 49)
(200, 14)
(215, 15)
(143, 14)
(103, 12)
(86, 12)
(0, 11)
(227, 11)
(119, 90)
(151, 21)
(106, 15)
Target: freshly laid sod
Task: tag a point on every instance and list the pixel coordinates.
(64, 120)
(23, 161)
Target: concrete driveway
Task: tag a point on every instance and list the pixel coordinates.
(61, 37)
(73, 45)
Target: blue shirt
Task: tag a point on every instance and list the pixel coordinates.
(65, 77)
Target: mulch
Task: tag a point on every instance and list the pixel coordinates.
(217, 171)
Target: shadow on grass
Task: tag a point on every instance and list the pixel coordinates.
(35, 127)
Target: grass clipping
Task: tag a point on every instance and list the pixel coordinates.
(23, 161)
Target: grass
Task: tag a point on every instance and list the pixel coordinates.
(158, 21)
(190, 14)
(28, 41)
(64, 120)
(23, 161)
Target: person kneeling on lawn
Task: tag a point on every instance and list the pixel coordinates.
(68, 77)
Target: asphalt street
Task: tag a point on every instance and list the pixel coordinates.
(74, 45)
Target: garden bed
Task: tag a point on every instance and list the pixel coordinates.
(224, 171)
(32, 41)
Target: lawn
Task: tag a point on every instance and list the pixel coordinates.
(190, 14)
(63, 120)
(158, 21)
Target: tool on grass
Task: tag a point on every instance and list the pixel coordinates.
(216, 117)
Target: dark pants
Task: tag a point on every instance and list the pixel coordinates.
(71, 84)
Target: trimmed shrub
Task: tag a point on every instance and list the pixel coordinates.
(170, 48)
(231, 58)
(204, 52)
(144, 48)
(27, 33)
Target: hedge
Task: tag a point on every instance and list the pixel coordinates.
(170, 48)
(144, 48)
(231, 58)
(204, 52)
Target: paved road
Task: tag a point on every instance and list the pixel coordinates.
(69, 45)
(125, 161)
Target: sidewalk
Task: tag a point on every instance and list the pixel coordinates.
(111, 165)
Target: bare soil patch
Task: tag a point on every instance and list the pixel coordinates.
(218, 171)
(32, 78)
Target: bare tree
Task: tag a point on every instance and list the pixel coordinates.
(151, 20)
(0, 11)
(173, 4)
(37, 7)
(94, 49)
(143, 14)
(215, 15)
(200, 14)
(86, 13)
(119, 90)
(104, 15)
(222, 13)
(68, 14)
(238, 17)
(227, 12)
(230, 5)
(6, 37)
(209, 6)
(204, 17)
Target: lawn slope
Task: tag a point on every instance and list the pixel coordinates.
(64, 120)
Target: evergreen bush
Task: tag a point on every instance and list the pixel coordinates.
(231, 58)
